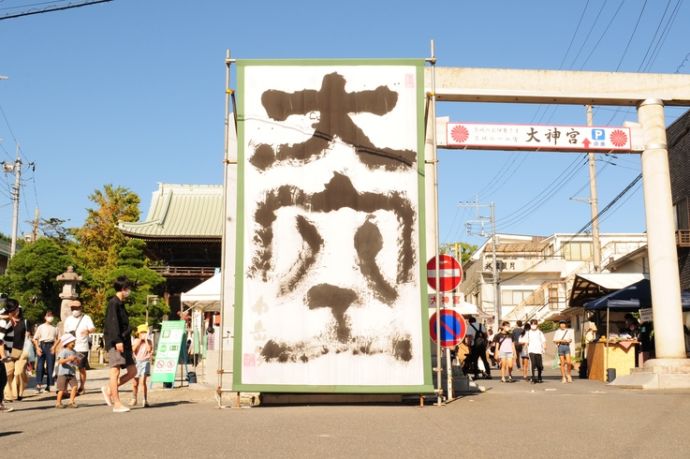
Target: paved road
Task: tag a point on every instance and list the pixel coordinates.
(554, 420)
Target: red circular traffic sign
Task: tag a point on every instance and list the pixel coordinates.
(453, 327)
(449, 276)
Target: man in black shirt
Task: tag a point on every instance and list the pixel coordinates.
(117, 335)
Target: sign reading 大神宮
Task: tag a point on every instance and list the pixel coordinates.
(330, 292)
(538, 137)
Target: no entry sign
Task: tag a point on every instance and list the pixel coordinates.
(453, 328)
(449, 276)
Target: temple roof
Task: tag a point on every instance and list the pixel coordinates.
(181, 212)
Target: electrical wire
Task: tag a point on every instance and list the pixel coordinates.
(627, 46)
(583, 229)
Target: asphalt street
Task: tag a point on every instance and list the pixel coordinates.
(582, 419)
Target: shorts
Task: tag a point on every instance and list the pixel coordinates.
(505, 355)
(564, 349)
(65, 381)
(83, 360)
(120, 359)
(143, 368)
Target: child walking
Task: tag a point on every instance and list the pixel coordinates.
(66, 373)
(142, 349)
(536, 347)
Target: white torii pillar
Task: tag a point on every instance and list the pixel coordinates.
(649, 92)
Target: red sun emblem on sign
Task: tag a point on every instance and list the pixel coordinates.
(618, 138)
(460, 133)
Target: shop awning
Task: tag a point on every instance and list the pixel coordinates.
(587, 287)
(205, 296)
(631, 298)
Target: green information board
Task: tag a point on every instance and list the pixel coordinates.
(168, 351)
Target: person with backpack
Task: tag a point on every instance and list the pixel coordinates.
(518, 331)
(536, 347)
(478, 342)
(505, 348)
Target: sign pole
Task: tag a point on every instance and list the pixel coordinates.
(433, 160)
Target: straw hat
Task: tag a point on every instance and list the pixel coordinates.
(143, 328)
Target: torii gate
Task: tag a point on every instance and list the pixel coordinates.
(649, 93)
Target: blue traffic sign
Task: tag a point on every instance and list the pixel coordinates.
(453, 328)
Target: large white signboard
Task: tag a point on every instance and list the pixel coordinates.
(538, 137)
(329, 278)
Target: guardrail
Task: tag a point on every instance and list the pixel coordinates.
(184, 271)
(683, 238)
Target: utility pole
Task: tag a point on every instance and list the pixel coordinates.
(494, 241)
(34, 226)
(593, 202)
(16, 168)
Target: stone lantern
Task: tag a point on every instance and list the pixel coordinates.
(70, 279)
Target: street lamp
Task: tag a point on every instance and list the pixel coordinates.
(150, 300)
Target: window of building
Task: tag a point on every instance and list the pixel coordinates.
(577, 251)
(681, 213)
(514, 297)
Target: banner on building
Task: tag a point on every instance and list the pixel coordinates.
(330, 293)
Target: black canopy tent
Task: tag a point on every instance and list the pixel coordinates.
(631, 298)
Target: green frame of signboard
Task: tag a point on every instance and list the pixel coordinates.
(426, 386)
(167, 375)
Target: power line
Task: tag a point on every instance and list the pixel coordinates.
(627, 46)
(584, 228)
(606, 29)
(52, 9)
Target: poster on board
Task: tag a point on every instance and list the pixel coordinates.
(330, 288)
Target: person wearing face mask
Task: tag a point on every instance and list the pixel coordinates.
(80, 325)
(536, 347)
(117, 336)
(45, 340)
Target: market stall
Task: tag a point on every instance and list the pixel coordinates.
(613, 351)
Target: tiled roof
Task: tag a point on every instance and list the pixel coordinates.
(181, 211)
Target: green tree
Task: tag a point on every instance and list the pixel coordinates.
(99, 242)
(31, 276)
(132, 264)
(466, 250)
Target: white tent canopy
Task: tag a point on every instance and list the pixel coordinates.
(205, 296)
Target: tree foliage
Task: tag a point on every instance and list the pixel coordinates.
(31, 277)
(466, 250)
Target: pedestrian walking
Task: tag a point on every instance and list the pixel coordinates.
(478, 343)
(536, 347)
(563, 338)
(67, 360)
(14, 336)
(118, 343)
(143, 350)
(81, 326)
(27, 357)
(505, 349)
(524, 353)
(518, 331)
(45, 342)
(4, 355)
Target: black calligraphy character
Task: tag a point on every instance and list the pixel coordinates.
(532, 135)
(572, 136)
(335, 107)
(554, 134)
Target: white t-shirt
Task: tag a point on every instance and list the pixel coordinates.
(535, 341)
(86, 324)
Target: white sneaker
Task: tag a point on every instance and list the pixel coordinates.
(106, 395)
(133, 402)
(145, 403)
(121, 409)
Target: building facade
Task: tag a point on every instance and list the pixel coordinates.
(678, 139)
(183, 232)
(536, 273)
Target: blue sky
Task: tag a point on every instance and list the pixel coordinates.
(131, 93)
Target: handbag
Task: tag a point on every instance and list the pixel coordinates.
(30, 350)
